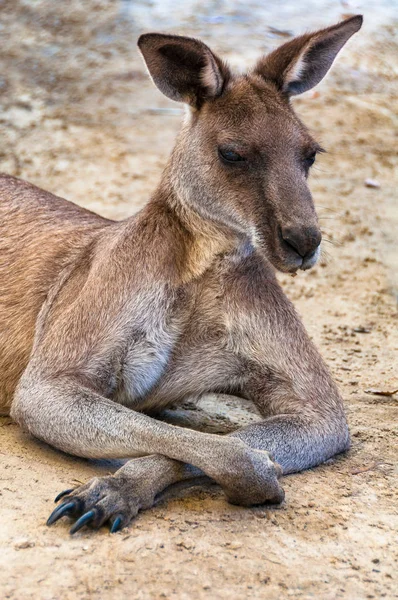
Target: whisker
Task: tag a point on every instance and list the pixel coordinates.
(326, 208)
(319, 169)
(326, 257)
(325, 254)
(332, 242)
(327, 228)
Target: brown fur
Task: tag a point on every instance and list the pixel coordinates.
(101, 320)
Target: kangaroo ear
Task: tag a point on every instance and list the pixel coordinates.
(300, 64)
(184, 69)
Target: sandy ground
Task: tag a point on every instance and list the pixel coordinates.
(79, 117)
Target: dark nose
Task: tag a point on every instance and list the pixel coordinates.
(304, 240)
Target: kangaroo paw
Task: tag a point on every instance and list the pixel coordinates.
(107, 500)
(250, 477)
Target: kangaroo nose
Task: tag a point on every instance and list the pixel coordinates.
(304, 240)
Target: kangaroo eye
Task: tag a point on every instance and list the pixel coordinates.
(229, 155)
(309, 161)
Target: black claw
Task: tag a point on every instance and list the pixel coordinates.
(62, 494)
(60, 511)
(116, 524)
(84, 520)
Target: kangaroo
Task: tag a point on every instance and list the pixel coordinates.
(103, 322)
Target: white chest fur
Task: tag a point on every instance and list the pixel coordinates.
(145, 363)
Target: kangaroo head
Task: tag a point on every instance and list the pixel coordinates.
(243, 157)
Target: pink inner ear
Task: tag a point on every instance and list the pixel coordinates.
(184, 69)
(301, 63)
(295, 71)
(211, 77)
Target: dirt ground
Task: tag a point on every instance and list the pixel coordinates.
(79, 117)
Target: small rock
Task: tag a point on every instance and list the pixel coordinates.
(372, 183)
(235, 545)
(185, 544)
(23, 543)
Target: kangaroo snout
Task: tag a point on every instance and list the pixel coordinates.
(303, 240)
(301, 245)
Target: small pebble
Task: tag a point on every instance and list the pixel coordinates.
(372, 183)
(23, 543)
(235, 545)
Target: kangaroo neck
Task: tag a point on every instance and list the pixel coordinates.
(200, 241)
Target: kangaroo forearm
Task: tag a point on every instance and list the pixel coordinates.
(157, 472)
(297, 443)
(73, 418)
(79, 421)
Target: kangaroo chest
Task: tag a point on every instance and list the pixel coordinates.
(161, 359)
(195, 348)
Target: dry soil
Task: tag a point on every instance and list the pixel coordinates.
(79, 117)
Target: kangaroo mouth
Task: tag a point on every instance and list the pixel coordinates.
(288, 260)
(291, 263)
(283, 256)
(311, 260)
